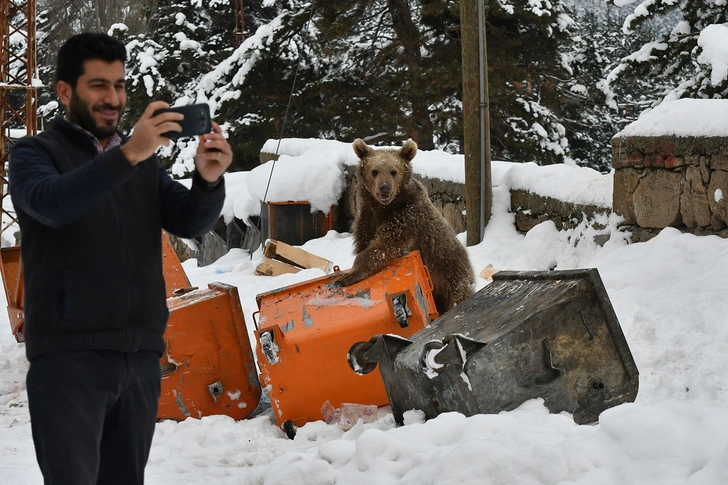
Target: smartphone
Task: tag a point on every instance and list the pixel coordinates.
(197, 120)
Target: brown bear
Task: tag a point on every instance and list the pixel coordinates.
(395, 217)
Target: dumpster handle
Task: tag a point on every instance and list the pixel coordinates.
(255, 321)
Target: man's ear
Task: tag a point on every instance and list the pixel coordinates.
(64, 91)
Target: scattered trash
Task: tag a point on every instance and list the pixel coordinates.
(349, 414)
(488, 272)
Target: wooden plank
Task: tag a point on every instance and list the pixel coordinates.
(295, 256)
(271, 267)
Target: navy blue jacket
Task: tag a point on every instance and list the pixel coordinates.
(91, 241)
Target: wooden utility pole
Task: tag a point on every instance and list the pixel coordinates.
(476, 123)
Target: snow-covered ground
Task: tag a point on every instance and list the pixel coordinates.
(670, 295)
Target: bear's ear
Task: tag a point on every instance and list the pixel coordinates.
(408, 150)
(361, 149)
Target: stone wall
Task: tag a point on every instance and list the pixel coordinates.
(448, 197)
(529, 209)
(532, 209)
(677, 182)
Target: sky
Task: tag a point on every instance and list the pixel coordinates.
(670, 296)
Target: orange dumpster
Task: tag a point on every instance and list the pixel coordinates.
(208, 367)
(306, 331)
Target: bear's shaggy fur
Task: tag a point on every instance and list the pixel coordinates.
(396, 216)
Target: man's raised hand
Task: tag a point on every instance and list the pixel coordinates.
(214, 154)
(147, 134)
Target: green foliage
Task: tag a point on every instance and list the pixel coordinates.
(594, 112)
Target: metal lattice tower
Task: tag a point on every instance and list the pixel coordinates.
(239, 23)
(18, 83)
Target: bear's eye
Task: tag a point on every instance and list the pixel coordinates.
(375, 172)
(394, 173)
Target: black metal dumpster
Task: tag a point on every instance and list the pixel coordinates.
(547, 334)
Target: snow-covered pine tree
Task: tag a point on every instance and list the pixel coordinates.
(192, 57)
(391, 70)
(388, 70)
(589, 122)
(526, 43)
(592, 111)
(57, 21)
(397, 72)
(675, 54)
(186, 40)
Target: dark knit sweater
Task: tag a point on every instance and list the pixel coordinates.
(91, 241)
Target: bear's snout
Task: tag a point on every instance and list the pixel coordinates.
(384, 193)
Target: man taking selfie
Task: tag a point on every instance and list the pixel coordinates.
(91, 204)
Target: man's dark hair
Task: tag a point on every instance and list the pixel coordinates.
(83, 47)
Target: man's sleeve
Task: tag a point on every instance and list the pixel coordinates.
(56, 199)
(189, 212)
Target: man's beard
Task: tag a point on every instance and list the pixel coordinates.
(80, 114)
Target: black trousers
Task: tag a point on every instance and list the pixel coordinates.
(93, 415)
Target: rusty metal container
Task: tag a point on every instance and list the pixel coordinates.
(551, 334)
(295, 223)
(305, 333)
(12, 274)
(208, 367)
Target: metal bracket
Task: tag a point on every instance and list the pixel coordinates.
(268, 346)
(215, 390)
(401, 310)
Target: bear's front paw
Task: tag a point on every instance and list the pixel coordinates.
(346, 280)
